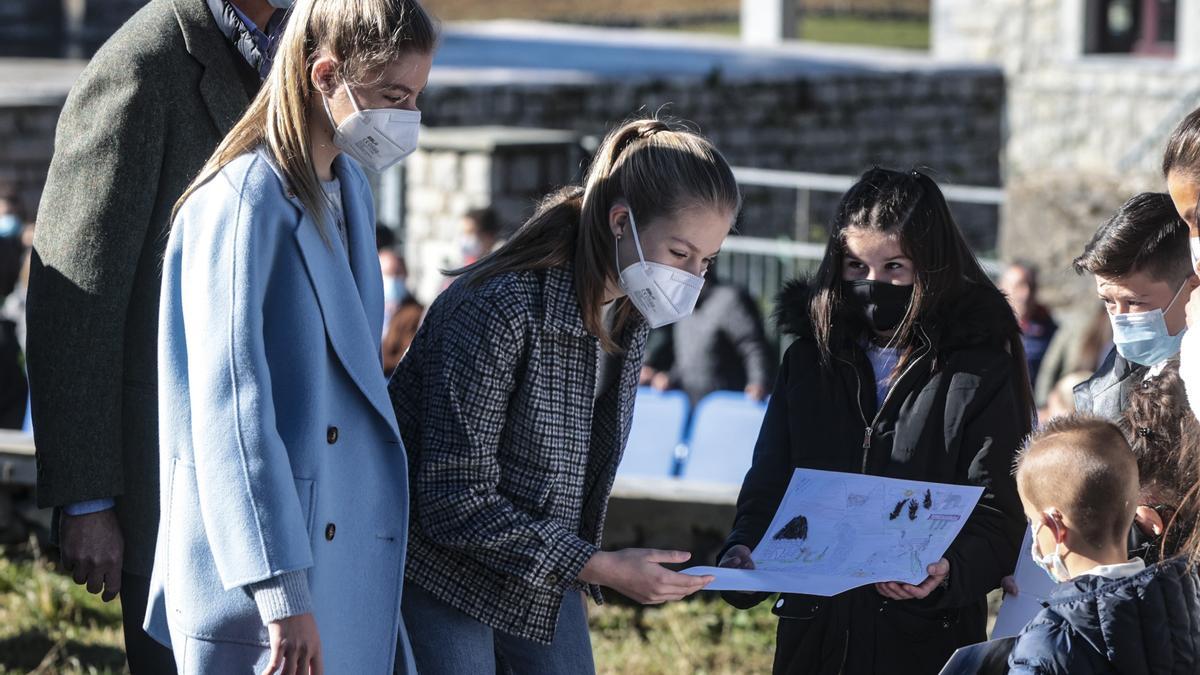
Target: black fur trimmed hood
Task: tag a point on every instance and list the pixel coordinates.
(980, 316)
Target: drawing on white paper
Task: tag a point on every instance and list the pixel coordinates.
(834, 531)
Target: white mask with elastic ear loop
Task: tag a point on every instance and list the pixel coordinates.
(378, 138)
(1051, 564)
(663, 294)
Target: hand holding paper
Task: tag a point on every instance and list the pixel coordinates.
(895, 590)
(837, 531)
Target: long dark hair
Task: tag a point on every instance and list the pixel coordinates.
(909, 205)
(654, 166)
(1165, 438)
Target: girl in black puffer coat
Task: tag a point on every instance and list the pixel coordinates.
(908, 364)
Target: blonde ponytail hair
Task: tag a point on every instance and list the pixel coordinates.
(364, 36)
(656, 168)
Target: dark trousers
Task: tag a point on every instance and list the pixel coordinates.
(145, 655)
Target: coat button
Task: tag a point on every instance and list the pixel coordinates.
(551, 579)
(331, 435)
(330, 531)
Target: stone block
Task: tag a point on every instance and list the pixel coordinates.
(477, 173)
(424, 200)
(444, 171)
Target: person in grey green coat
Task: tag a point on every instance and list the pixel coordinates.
(137, 127)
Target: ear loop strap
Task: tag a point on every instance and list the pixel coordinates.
(1176, 297)
(350, 95)
(1054, 524)
(329, 113)
(636, 242)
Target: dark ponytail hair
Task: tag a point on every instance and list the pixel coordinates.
(656, 168)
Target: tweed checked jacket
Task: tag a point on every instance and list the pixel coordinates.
(511, 455)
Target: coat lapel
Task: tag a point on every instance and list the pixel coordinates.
(220, 85)
(345, 287)
(363, 252)
(563, 316)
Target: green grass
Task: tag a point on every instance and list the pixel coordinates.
(703, 635)
(898, 33)
(49, 625)
(902, 33)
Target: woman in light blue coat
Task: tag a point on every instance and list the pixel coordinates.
(284, 486)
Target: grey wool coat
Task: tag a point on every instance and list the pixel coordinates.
(511, 453)
(145, 115)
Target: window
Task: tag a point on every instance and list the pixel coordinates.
(1138, 27)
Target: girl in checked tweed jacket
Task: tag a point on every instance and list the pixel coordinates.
(515, 402)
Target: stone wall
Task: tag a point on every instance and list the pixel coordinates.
(59, 28)
(26, 145)
(459, 169)
(949, 120)
(1084, 132)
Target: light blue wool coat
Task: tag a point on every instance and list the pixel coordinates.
(279, 444)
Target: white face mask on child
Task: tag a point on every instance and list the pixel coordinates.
(1052, 564)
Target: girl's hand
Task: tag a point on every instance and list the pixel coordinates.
(896, 590)
(1009, 586)
(637, 574)
(738, 558)
(295, 647)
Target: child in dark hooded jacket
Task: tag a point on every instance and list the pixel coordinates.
(1078, 482)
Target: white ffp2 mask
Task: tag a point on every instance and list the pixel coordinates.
(663, 294)
(377, 138)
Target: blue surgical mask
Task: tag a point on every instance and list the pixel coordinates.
(1052, 564)
(1142, 337)
(395, 289)
(10, 225)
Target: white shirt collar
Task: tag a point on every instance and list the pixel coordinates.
(1118, 571)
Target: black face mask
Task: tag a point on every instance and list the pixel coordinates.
(881, 305)
(1146, 545)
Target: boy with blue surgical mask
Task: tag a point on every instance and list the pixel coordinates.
(1078, 482)
(1143, 274)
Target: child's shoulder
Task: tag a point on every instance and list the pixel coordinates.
(1044, 646)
